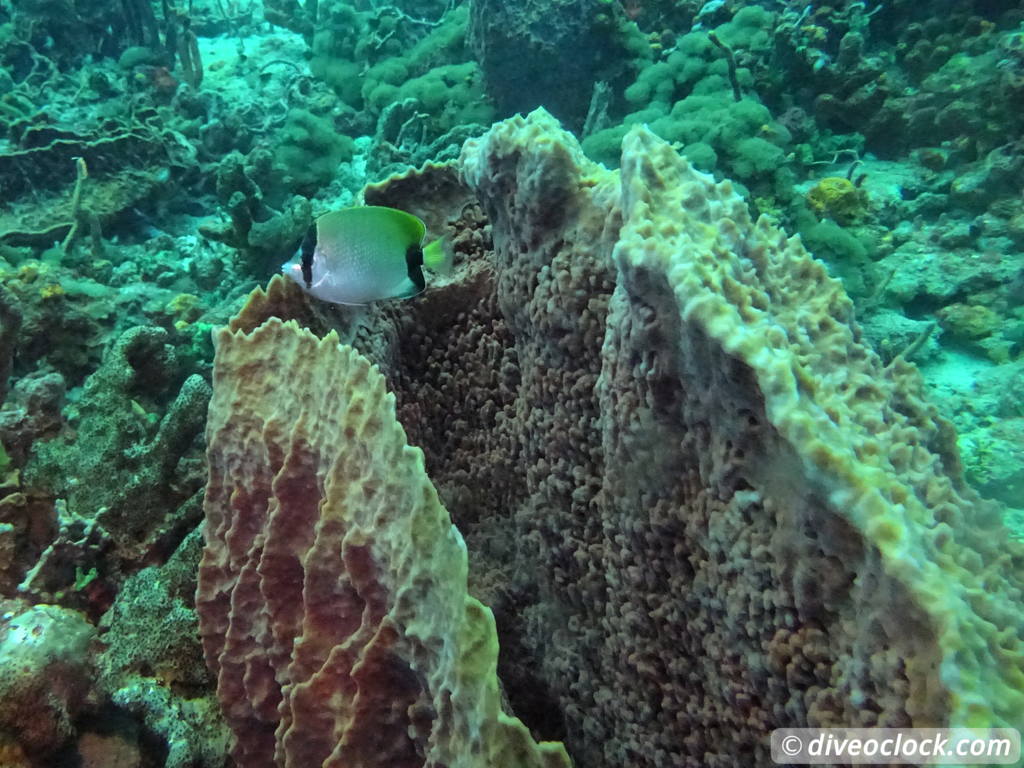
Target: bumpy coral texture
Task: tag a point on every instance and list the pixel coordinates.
(332, 592)
(748, 522)
(45, 668)
(699, 506)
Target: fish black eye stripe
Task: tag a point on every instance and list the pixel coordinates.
(308, 249)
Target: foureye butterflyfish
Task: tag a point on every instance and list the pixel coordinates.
(364, 254)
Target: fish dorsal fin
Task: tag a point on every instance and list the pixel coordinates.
(400, 224)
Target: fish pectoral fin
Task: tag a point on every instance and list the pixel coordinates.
(405, 289)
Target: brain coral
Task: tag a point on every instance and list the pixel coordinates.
(699, 505)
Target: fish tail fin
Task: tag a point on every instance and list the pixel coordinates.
(438, 256)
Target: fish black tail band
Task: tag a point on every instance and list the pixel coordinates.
(414, 262)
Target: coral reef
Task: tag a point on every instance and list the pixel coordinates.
(838, 198)
(700, 98)
(125, 469)
(122, 163)
(262, 233)
(10, 325)
(669, 489)
(603, 445)
(687, 383)
(385, 56)
(153, 667)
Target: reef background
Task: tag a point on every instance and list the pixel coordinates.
(158, 163)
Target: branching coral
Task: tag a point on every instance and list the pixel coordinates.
(262, 233)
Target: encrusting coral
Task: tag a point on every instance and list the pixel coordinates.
(700, 506)
(125, 471)
(44, 672)
(332, 591)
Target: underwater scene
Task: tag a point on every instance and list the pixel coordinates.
(509, 383)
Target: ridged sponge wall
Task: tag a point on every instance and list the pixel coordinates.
(332, 590)
(870, 449)
(758, 524)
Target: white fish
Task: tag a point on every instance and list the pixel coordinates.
(364, 254)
